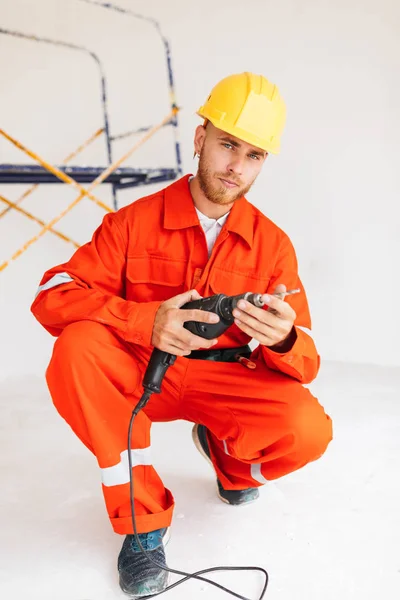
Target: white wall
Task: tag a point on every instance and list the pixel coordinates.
(334, 188)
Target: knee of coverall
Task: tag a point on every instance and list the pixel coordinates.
(298, 422)
(77, 339)
(309, 425)
(86, 350)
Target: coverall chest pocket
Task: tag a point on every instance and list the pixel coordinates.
(233, 282)
(151, 278)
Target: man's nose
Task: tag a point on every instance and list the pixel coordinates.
(236, 166)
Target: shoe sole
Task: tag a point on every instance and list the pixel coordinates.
(197, 443)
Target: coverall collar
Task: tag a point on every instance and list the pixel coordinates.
(180, 213)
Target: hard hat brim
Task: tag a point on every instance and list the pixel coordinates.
(240, 135)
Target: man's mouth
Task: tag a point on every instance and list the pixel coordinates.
(228, 183)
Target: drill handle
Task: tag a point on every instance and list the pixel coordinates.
(220, 304)
(156, 369)
(213, 304)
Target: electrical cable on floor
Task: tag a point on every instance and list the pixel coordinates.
(186, 576)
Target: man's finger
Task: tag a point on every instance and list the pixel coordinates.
(257, 318)
(193, 341)
(277, 306)
(194, 314)
(264, 338)
(187, 339)
(178, 351)
(181, 299)
(280, 290)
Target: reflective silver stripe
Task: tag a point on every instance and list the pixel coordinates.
(256, 473)
(119, 473)
(225, 447)
(54, 281)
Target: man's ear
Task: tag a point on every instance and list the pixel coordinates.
(199, 138)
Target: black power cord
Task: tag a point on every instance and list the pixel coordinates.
(197, 575)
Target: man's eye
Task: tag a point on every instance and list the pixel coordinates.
(255, 156)
(226, 145)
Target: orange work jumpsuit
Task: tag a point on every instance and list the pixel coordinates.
(101, 304)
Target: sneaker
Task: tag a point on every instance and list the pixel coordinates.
(234, 497)
(138, 576)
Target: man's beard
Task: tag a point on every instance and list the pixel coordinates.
(218, 195)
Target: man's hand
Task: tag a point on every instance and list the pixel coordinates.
(169, 334)
(270, 327)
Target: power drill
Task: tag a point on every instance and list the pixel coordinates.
(159, 362)
(220, 304)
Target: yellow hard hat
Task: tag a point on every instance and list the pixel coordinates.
(249, 107)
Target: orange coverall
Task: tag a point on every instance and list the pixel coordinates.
(101, 304)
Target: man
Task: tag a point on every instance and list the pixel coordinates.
(120, 295)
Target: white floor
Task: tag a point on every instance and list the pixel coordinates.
(330, 531)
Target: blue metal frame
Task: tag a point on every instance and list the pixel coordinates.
(103, 85)
(156, 24)
(122, 177)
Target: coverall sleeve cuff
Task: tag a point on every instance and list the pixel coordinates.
(141, 321)
(289, 361)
